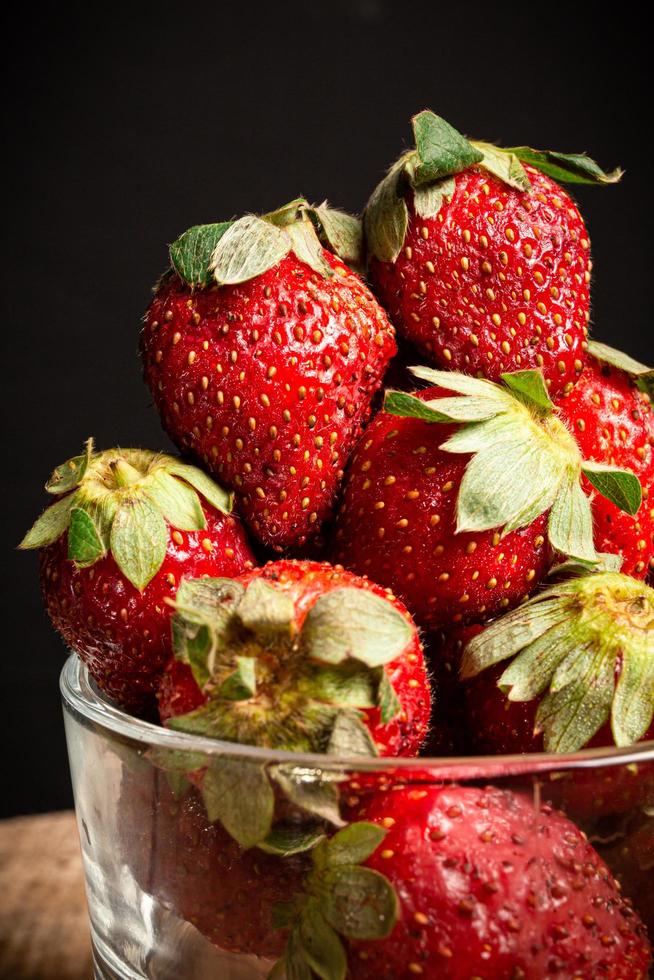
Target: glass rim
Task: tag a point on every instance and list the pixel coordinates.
(81, 698)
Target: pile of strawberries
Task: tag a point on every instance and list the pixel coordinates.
(456, 564)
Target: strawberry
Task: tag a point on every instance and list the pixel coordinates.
(194, 868)
(129, 524)
(457, 503)
(263, 352)
(486, 885)
(583, 661)
(610, 412)
(300, 656)
(581, 676)
(481, 258)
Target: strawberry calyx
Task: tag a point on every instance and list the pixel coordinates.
(642, 375)
(340, 899)
(231, 252)
(272, 684)
(585, 646)
(122, 502)
(426, 173)
(524, 461)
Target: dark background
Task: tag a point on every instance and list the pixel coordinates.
(125, 127)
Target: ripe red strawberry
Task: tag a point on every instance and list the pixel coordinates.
(301, 656)
(487, 886)
(194, 868)
(611, 415)
(454, 517)
(263, 352)
(482, 262)
(129, 524)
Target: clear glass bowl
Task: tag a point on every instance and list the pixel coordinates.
(172, 896)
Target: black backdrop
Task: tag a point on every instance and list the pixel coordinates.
(125, 127)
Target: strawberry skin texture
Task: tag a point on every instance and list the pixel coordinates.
(305, 582)
(121, 634)
(613, 422)
(490, 887)
(497, 281)
(397, 523)
(195, 869)
(268, 383)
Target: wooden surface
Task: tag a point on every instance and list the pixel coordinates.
(44, 933)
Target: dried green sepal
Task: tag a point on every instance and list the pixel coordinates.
(178, 502)
(642, 375)
(386, 217)
(238, 793)
(350, 737)
(387, 700)
(621, 487)
(442, 150)
(70, 474)
(342, 233)
(310, 790)
(190, 254)
(139, 537)
(84, 542)
(429, 198)
(248, 248)
(571, 168)
(503, 164)
(52, 523)
(349, 623)
(267, 610)
(340, 898)
(569, 643)
(285, 841)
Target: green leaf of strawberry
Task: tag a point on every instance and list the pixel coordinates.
(241, 684)
(248, 247)
(569, 644)
(238, 794)
(621, 487)
(571, 168)
(70, 474)
(354, 843)
(52, 523)
(191, 253)
(442, 150)
(503, 164)
(84, 542)
(285, 841)
(520, 449)
(386, 218)
(349, 736)
(642, 375)
(340, 898)
(266, 610)
(311, 792)
(341, 232)
(138, 540)
(178, 502)
(350, 623)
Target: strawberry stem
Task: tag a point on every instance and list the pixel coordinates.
(124, 473)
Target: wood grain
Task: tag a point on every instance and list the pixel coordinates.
(44, 933)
